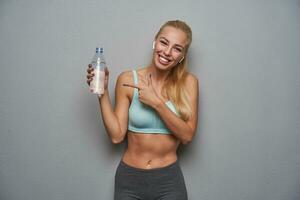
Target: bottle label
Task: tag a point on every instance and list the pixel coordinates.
(97, 85)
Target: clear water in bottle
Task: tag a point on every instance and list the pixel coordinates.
(98, 64)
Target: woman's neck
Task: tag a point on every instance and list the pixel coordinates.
(159, 76)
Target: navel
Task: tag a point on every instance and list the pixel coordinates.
(149, 163)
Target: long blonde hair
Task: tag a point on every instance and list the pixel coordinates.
(174, 85)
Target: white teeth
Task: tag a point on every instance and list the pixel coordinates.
(163, 59)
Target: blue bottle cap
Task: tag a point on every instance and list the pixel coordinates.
(99, 49)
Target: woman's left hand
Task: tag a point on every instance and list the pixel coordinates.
(147, 93)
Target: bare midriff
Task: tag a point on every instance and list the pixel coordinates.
(149, 151)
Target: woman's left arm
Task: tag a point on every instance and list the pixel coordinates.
(183, 130)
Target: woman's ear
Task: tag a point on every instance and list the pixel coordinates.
(153, 45)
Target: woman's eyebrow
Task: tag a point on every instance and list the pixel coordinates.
(164, 39)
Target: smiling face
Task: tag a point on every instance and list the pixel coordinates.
(170, 48)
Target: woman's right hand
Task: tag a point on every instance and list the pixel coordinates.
(90, 75)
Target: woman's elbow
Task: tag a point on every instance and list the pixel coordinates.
(117, 140)
(188, 138)
(186, 141)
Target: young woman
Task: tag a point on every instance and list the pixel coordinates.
(156, 107)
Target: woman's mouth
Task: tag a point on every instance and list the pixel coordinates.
(163, 60)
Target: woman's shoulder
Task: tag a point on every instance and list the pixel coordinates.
(191, 81)
(192, 85)
(126, 75)
(190, 77)
(129, 73)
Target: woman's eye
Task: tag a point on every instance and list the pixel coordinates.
(178, 49)
(163, 42)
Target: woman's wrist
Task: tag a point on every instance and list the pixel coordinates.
(105, 93)
(158, 103)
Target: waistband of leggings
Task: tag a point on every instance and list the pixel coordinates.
(174, 164)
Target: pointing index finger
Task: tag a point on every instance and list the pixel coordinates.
(130, 85)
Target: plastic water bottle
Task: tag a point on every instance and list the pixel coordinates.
(98, 64)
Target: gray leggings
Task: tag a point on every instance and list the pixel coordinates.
(166, 183)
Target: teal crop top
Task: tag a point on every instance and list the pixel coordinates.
(143, 118)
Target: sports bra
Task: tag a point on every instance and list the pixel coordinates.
(143, 118)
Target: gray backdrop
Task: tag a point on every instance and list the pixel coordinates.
(53, 144)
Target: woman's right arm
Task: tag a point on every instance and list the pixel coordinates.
(115, 121)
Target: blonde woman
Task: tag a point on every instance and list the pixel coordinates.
(156, 109)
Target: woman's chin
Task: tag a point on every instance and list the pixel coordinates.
(162, 67)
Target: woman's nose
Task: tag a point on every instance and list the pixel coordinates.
(167, 50)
